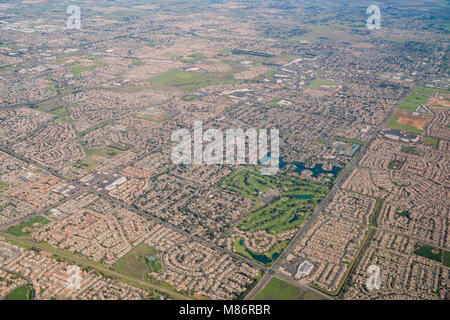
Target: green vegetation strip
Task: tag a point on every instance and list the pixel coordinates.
(349, 140)
(93, 128)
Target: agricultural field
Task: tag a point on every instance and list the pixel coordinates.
(26, 228)
(278, 289)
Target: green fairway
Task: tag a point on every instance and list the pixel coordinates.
(20, 293)
(139, 262)
(296, 199)
(26, 228)
(266, 258)
(277, 289)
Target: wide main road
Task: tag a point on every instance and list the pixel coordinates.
(348, 170)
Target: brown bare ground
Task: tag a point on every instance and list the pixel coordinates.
(439, 102)
(405, 118)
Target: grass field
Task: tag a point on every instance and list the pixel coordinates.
(395, 165)
(428, 252)
(27, 227)
(316, 83)
(410, 150)
(20, 293)
(3, 185)
(430, 141)
(152, 118)
(138, 263)
(416, 98)
(107, 152)
(446, 258)
(60, 111)
(85, 164)
(392, 124)
(78, 68)
(180, 79)
(65, 120)
(277, 289)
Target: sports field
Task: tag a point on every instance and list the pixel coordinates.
(26, 228)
